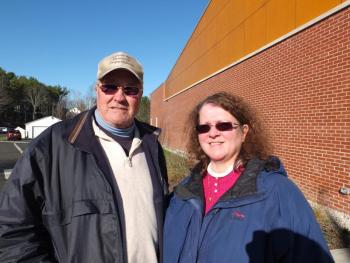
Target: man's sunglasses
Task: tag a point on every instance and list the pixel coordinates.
(220, 126)
(128, 90)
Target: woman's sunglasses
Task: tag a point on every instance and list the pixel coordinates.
(220, 126)
(128, 90)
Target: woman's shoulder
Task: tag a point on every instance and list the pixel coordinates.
(274, 179)
(275, 175)
(190, 185)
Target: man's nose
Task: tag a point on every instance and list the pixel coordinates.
(119, 94)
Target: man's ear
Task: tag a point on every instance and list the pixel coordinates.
(141, 90)
(97, 83)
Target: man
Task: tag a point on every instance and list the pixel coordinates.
(92, 188)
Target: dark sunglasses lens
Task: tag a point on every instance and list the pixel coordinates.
(221, 126)
(224, 126)
(203, 128)
(108, 88)
(131, 91)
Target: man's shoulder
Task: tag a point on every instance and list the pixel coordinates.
(146, 128)
(68, 125)
(62, 129)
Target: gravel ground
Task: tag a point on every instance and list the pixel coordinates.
(336, 236)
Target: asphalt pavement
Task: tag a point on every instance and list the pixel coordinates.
(10, 151)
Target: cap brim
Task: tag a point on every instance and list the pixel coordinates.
(119, 67)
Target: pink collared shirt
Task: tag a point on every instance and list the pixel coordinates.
(215, 187)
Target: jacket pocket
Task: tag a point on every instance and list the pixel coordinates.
(79, 208)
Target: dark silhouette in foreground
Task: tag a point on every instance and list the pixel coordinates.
(283, 245)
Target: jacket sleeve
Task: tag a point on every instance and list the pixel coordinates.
(23, 237)
(297, 237)
(162, 163)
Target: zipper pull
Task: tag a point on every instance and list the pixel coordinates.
(129, 161)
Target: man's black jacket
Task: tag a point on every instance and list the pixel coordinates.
(62, 202)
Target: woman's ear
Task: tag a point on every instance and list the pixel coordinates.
(245, 130)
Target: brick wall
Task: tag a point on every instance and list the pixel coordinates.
(301, 87)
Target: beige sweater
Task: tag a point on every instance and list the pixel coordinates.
(135, 185)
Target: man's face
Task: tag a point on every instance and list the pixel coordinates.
(115, 107)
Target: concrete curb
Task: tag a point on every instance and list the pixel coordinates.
(341, 255)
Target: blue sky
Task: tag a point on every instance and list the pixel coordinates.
(60, 42)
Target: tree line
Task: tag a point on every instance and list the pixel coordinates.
(24, 99)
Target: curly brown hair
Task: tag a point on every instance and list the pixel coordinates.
(256, 144)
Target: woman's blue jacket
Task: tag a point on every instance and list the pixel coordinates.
(264, 217)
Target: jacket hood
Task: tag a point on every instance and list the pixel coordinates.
(246, 185)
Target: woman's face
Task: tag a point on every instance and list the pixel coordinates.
(222, 147)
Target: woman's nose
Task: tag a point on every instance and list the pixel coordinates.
(213, 132)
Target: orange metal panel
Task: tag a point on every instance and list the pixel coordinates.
(280, 18)
(228, 18)
(236, 13)
(232, 47)
(306, 10)
(255, 30)
(213, 9)
(251, 6)
(231, 29)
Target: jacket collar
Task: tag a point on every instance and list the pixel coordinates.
(246, 184)
(80, 132)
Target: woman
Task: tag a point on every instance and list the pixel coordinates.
(237, 205)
